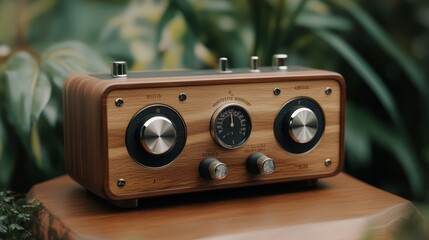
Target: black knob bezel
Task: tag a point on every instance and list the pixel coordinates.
(281, 125)
(132, 137)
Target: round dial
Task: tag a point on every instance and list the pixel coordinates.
(231, 126)
(299, 125)
(155, 136)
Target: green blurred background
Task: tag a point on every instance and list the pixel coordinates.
(380, 47)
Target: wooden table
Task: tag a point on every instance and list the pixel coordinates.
(340, 207)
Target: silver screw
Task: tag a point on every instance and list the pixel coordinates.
(277, 91)
(328, 91)
(119, 102)
(121, 182)
(328, 162)
(182, 97)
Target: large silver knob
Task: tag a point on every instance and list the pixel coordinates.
(303, 125)
(158, 135)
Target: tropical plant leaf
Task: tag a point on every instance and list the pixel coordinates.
(169, 13)
(372, 129)
(41, 96)
(22, 80)
(7, 159)
(51, 113)
(416, 75)
(364, 70)
(319, 21)
(66, 58)
(358, 138)
(133, 33)
(36, 148)
(285, 25)
(399, 143)
(3, 137)
(29, 92)
(186, 9)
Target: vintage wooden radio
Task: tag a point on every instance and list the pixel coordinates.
(144, 134)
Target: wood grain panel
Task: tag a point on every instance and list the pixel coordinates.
(97, 156)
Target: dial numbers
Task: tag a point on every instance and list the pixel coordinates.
(231, 126)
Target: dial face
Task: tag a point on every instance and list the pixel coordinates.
(231, 126)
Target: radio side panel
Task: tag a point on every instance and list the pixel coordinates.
(85, 151)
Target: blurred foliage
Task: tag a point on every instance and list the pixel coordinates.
(381, 48)
(15, 215)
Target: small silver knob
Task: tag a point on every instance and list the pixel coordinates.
(158, 135)
(218, 170)
(259, 163)
(254, 64)
(211, 168)
(119, 69)
(279, 62)
(303, 125)
(223, 65)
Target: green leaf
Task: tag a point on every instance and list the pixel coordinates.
(3, 139)
(52, 111)
(3, 228)
(318, 21)
(357, 138)
(186, 9)
(398, 143)
(36, 148)
(15, 226)
(364, 70)
(66, 58)
(166, 17)
(41, 96)
(21, 79)
(28, 93)
(389, 138)
(7, 158)
(371, 27)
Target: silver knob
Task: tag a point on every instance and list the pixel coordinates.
(254, 64)
(279, 62)
(223, 65)
(303, 125)
(218, 170)
(259, 163)
(119, 69)
(158, 135)
(211, 168)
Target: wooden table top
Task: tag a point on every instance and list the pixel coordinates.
(340, 207)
